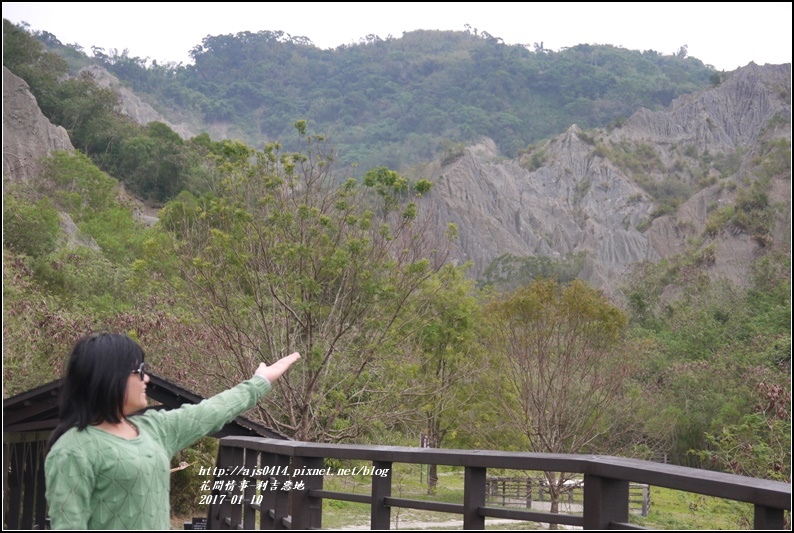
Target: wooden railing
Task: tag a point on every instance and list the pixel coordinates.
(246, 461)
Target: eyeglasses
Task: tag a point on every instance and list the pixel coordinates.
(142, 370)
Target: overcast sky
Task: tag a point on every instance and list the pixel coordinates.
(726, 35)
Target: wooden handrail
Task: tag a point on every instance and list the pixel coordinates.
(606, 482)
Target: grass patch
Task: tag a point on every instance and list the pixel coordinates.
(675, 509)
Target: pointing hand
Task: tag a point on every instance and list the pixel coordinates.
(274, 371)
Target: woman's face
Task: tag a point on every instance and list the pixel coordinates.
(135, 395)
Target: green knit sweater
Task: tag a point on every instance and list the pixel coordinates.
(96, 480)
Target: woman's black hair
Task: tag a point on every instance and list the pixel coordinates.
(95, 382)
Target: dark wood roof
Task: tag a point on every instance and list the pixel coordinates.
(37, 409)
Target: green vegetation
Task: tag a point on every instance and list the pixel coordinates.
(29, 228)
(562, 338)
(508, 272)
(280, 252)
(751, 210)
(672, 509)
(634, 158)
(535, 157)
(152, 161)
(395, 101)
(642, 163)
(260, 251)
(185, 484)
(708, 350)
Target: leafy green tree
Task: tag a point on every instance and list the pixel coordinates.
(89, 113)
(450, 357)
(559, 351)
(283, 259)
(155, 163)
(26, 57)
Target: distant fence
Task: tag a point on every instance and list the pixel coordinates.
(523, 491)
(660, 457)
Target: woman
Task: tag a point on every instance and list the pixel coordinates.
(107, 468)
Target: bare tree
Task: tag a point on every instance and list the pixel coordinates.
(557, 348)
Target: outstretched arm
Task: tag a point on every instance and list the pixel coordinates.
(178, 428)
(274, 371)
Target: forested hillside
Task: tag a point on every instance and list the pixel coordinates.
(263, 250)
(396, 101)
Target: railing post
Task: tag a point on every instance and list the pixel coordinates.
(767, 518)
(41, 502)
(473, 497)
(275, 501)
(232, 489)
(646, 499)
(605, 500)
(380, 517)
(29, 484)
(249, 513)
(14, 485)
(529, 493)
(307, 510)
(219, 507)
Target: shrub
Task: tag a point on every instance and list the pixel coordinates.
(83, 189)
(717, 220)
(30, 228)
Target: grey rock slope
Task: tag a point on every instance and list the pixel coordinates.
(184, 124)
(27, 134)
(132, 105)
(602, 193)
(28, 137)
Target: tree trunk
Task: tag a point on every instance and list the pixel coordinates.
(432, 479)
(554, 495)
(555, 506)
(432, 470)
